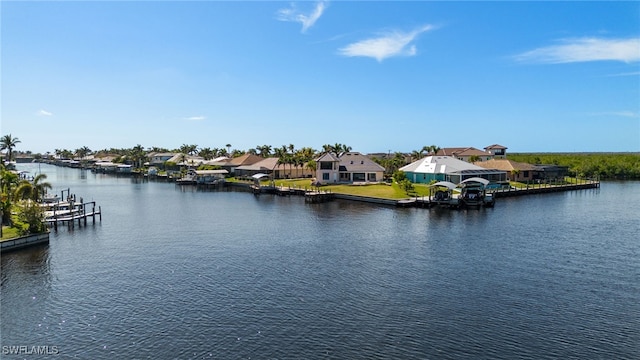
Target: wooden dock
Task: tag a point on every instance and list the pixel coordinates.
(428, 201)
(546, 188)
(69, 213)
(318, 196)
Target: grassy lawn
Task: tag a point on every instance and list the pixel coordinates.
(9, 233)
(383, 191)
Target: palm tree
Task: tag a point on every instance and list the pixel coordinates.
(40, 187)
(305, 155)
(8, 182)
(228, 146)
(32, 190)
(8, 142)
(415, 155)
(312, 165)
(237, 152)
(83, 152)
(138, 155)
(206, 153)
(265, 150)
(189, 149)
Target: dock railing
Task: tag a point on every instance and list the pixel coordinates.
(537, 188)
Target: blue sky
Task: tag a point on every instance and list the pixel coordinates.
(377, 76)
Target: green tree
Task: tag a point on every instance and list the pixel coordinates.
(83, 152)
(206, 153)
(29, 218)
(32, 190)
(8, 142)
(138, 155)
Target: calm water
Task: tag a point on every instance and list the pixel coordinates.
(171, 273)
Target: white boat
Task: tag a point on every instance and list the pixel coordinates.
(50, 198)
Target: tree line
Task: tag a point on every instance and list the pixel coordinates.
(622, 166)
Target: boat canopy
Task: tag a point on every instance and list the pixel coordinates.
(259, 176)
(446, 184)
(484, 182)
(211, 172)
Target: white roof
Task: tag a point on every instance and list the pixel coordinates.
(446, 184)
(439, 165)
(211, 172)
(484, 182)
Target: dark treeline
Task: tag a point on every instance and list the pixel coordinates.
(589, 165)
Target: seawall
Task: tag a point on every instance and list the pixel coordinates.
(24, 241)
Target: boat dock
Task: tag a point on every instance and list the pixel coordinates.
(69, 212)
(431, 201)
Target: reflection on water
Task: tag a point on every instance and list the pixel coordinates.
(171, 272)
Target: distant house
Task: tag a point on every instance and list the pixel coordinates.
(516, 171)
(448, 168)
(465, 153)
(498, 151)
(264, 166)
(186, 160)
(243, 160)
(273, 168)
(348, 167)
(159, 158)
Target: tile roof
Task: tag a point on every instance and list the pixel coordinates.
(462, 151)
(506, 165)
(246, 159)
(354, 162)
(495, 146)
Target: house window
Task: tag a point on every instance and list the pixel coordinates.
(361, 162)
(325, 176)
(371, 177)
(525, 174)
(326, 165)
(359, 177)
(351, 162)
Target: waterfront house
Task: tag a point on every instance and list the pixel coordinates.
(348, 167)
(465, 153)
(245, 159)
(291, 171)
(264, 166)
(186, 160)
(498, 151)
(327, 168)
(159, 158)
(448, 168)
(274, 169)
(516, 171)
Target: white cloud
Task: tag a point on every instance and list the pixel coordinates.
(307, 20)
(623, 113)
(634, 73)
(44, 113)
(395, 43)
(585, 49)
(196, 118)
